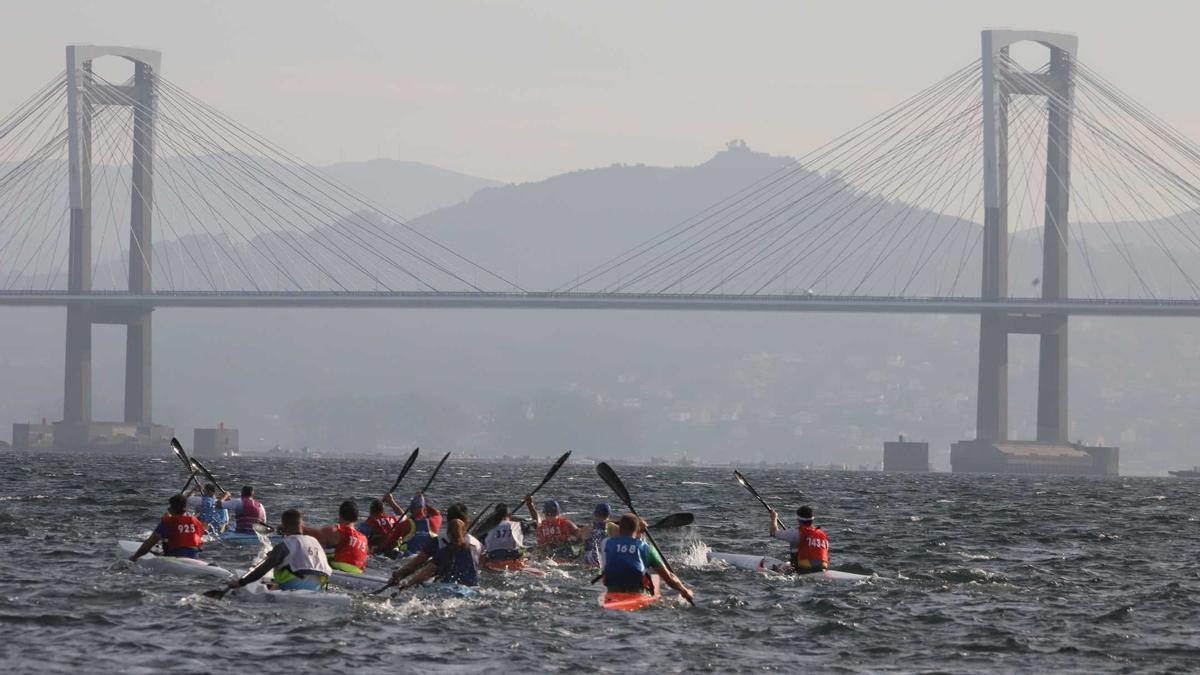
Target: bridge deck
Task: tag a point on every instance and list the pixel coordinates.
(102, 300)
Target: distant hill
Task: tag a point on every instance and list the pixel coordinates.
(407, 189)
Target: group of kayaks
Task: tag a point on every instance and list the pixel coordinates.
(367, 582)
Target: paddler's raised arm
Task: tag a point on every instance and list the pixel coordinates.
(537, 519)
(774, 522)
(390, 500)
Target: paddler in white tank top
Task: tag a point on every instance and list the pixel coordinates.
(298, 562)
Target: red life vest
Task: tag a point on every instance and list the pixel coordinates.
(351, 548)
(185, 531)
(381, 525)
(553, 531)
(813, 550)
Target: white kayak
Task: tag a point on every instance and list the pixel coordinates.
(760, 563)
(358, 582)
(242, 538)
(258, 592)
(191, 567)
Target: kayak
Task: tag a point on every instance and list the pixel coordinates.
(758, 563)
(518, 565)
(242, 538)
(190, 567)
(358, 582)
(631, 602)
(258, 592)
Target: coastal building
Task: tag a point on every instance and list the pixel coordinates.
(908, 456)
(1033, 457)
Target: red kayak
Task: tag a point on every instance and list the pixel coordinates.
(631, 602)
(518, 565)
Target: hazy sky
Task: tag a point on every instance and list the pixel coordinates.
(520, 91)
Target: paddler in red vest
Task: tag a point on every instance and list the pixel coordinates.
(554, 533)
(419, 527)
(377, 526)
(348, 544)
(248, 511)
(810, 544)
(180, 532)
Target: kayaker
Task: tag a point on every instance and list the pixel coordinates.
(457, 511)
(247, 511)
(809, 543)
(628, 561)
(505, 541)
(349, 545)
(209, 507)
(452, 563)
(298, 562)
(419, 526)
(554, 532)
(377, 526)
(597, 531)
(179, 531)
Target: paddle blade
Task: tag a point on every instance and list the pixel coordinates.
(674, 520)
(613, 481)
(216, 593)
(742, 479)
(553, 470)
(487, 524)
(404, 471)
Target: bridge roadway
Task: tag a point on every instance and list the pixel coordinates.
(120, 301)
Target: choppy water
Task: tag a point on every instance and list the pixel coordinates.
(976, 574)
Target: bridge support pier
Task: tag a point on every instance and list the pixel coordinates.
(77, 431)
(991, 449)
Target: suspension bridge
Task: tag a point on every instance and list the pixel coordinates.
(117, 198)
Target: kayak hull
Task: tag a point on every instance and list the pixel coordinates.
(357, 582)
(631, 602)
(258, 592)
(188, 567)
(758, 563)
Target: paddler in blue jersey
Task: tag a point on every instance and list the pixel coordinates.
(597, 531)
(209, 507)
(298, 562)
(414, 563)
(628, 560)
(453, 562)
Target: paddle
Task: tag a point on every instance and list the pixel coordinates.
(674, 520)
(613, 481)
(436, 469)
(208, 475)
(177, 448)
(494, 520)
(217, 593)
(746, 484)
(404, 471)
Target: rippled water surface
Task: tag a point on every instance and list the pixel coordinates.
(975, 574)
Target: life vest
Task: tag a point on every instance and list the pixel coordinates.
(456, 567)
(506, 536)
(379, 526)
(594, 545)
(419, 534)
(812, 553)
(624, 563)
(184, 531)
(305, 555)
(251, 514)
(209, 514)
(553, 532)
(351, 548)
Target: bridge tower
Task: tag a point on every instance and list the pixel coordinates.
(1000, 85)
(139, 93)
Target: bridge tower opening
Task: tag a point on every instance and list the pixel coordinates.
(992, 449)
(77, 429)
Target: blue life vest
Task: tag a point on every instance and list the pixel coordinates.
(595, 542)
(456, 567)
(625, 562)
(419, 536)
(209, 514)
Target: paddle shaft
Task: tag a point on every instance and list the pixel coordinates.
(404, 470)
(549, 474)
(404, 512)
(746, 484)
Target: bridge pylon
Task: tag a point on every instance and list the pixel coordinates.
(1001, 83)
(85, 93)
